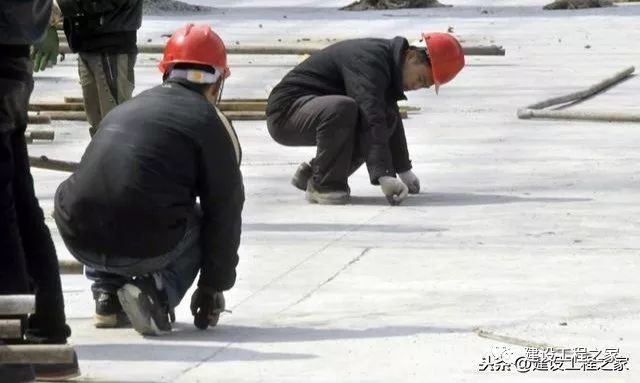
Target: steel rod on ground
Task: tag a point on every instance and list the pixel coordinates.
(231, 115)
(600, 86)
(70, 266)
(238, 106)
(17, 304)
(44, 162)
(537, 110)
(10, 329)
(579, 115)
(490, 50)
(28, 354)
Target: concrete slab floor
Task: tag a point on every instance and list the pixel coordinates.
(526, 229)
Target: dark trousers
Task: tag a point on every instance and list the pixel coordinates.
(28, 260)
(177, 269)
(328, 122)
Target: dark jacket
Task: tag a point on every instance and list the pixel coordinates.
(107, 26)
(370, 72)
(139, 178)
(23, 22)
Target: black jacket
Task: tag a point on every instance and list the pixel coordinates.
(23, 22)
(139, 178)
(370, 72)
(107, 26)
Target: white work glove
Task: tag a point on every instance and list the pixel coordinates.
(411, 180)
(394, 189)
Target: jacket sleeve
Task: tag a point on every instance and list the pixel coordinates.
(71, 8)
(366, 81)
(398, 141)
(221, 193)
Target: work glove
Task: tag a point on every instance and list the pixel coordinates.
(206, 306)
(46, 51)
(411, 180)
(394, 189)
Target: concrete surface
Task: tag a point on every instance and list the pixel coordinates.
(522, 226)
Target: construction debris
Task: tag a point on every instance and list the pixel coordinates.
(577, 4)
(365, 5)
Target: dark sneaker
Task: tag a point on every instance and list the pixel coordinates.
(145, 306)
(301, 176)
(338, 197)
(109, 313)
(57, 372)
(17, 373)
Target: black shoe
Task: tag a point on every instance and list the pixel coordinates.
(57, 372)
(59, 335)
(17, 373)
(145, 306)
(301, 176)
(109, 313)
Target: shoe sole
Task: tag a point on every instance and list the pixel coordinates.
(111, 321)
(138, 309)
(327, 201)
(57, 377)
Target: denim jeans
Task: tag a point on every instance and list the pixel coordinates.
(177, 269)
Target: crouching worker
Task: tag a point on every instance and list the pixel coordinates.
(343, 100)
(129, 213)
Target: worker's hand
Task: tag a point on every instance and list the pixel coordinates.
(394, 189)
(206, 306)
(45, 52)
(411, 180)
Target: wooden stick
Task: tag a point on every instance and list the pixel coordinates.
(47, 135)
(17, 305)
(579, 115)
(602, 85)
(38, 119)
(29, 354)
(67, 116)
(69, 266)
(73, 99)
(491, 50)
(49, 106)
(45, 163)
(10, 329)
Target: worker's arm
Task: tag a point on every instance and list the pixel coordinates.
(367, 82)
(221, 197)
(398, 141)
(72, 8)
(44, 53)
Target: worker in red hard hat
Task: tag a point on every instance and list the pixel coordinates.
(129, 213)
(343, 100)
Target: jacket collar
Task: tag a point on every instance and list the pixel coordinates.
(399, 46)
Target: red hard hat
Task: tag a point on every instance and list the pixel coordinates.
(446, 56)
(195, 44)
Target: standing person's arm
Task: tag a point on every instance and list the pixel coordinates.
(44, 53)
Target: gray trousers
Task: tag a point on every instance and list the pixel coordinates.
(107, 80)
(329, 123)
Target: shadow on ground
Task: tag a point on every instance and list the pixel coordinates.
(137, 352)
(463, 199)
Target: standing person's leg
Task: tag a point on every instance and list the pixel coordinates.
(47, 325)
(88, 81)
(14, 90)
(110, 81)
(330, 123)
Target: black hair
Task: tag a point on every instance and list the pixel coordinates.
(421, 55)
(200, 88)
